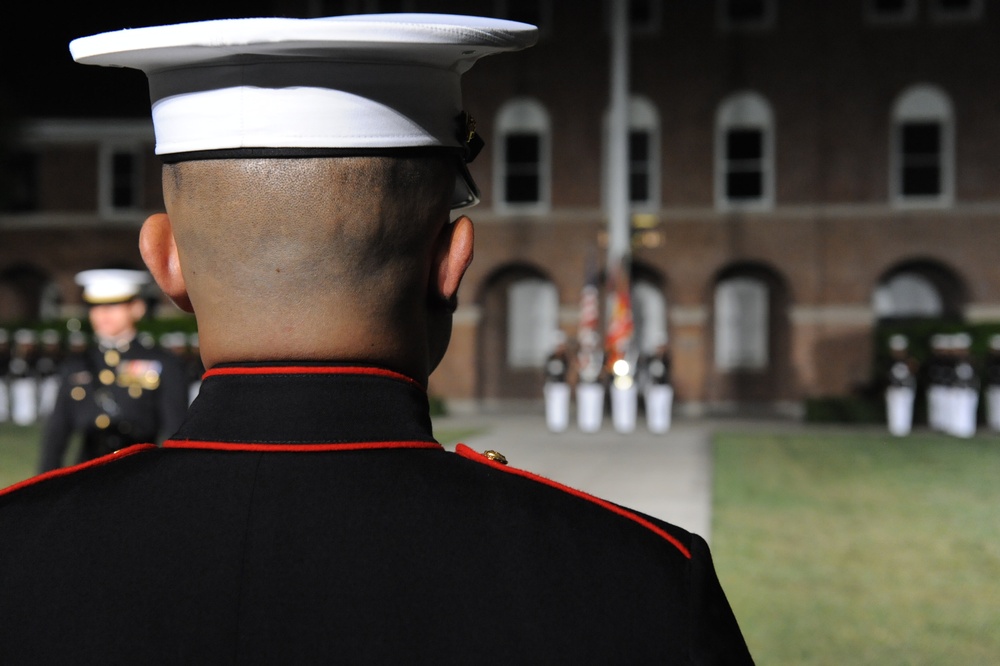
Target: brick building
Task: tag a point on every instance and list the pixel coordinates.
(800, 172)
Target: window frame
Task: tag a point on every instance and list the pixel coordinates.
(922, 103)
(745, 110)
(642, 116)
(106, 182)
(522, 115)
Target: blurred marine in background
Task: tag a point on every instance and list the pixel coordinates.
(121, 390)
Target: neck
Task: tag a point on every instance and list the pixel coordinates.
(359, 344)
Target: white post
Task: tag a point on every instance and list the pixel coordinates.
(618, 190)
(623, 387)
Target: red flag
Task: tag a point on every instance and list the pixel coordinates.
(618, 339)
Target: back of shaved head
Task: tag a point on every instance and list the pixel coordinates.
(285, 249)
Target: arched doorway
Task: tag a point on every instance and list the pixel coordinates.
(520, 314)
(750, 336)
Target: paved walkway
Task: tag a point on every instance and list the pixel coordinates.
(668, 476)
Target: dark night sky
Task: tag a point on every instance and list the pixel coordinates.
(40, 79)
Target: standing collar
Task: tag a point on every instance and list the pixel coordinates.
(306, 406)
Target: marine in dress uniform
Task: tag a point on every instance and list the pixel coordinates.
(304, 513)
(940, 376)
(5, 358)
(624, 392)
(590, 389)
(901, 387)
(556, 389)
(964, 390)
(659, 390)
(24, 378)
(991, 379)
(49, 357)
(120, 390)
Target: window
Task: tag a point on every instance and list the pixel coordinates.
(522, 161)
(121, 178)
(741, 330)
(922, 148)
(746, 14)
(907, 294)
(744, 177)
(890, 11)
(19, 182)
(643, 155)
(956, 10)
(532, 317)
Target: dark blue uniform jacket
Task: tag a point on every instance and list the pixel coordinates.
(306, 515)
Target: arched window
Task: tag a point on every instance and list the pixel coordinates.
(744, 153)
(922, 145)
(522, 160)
(532, 318)
(741, 330)
(907, 294)
(643, 154)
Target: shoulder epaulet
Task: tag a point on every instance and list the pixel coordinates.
(65, 471)
(498, 462)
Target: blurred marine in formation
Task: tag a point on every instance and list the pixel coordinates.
(5, 356)
(902, 386)
(963, 394)
(557, 390)
(119, 391)
(659, 391)
(991, 379)
(24, 377)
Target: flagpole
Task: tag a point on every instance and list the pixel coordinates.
(619, 246)
(620, 325)
(618, 194)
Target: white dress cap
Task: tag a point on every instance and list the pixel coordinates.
(104, 286)
(349, 84)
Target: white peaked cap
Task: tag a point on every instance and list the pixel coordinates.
(364, 83)
(111, 285)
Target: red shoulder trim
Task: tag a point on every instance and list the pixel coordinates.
(466, 452)
(296, 448)
(310, 370)
(64, 471)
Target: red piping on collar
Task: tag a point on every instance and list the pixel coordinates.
(296, 448)
(64, 471)
(310, 370)
(466, 452)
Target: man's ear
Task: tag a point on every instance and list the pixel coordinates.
(159, 250)
(452, 257)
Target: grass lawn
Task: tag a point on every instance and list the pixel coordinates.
(19, 451)
(858, 548)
